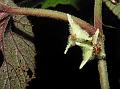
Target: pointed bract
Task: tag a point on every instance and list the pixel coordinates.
(76, 30)
(87, 53)
(95, 37)
(70, 44)
(80, 37)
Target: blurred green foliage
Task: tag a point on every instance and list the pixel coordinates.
(54, 3)
(48, 3)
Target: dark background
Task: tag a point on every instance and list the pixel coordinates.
(58, 71)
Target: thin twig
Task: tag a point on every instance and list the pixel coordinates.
(46, 13)
(102, 65)
(102, 68)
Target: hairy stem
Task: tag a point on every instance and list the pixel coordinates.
(46, 13)
(102, 68)
(98, 14)
(102, 65)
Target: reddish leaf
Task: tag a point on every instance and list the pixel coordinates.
(19, 62)
(3, 23)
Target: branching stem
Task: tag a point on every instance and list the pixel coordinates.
(46, 13)
(102, 65)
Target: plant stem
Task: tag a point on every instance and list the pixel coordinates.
(102, 68)
(98, 14)
(102, 65)
(46, 13)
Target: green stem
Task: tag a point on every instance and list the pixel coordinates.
(46, 13)
(102, 68)
(102, 65)
(98, 14)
